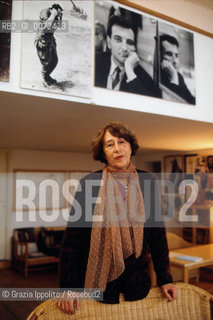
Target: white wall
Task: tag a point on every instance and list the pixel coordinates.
(45, 160)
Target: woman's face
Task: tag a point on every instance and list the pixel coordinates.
(117, 151)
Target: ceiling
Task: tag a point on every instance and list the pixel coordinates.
(35, 123)
(194, 13)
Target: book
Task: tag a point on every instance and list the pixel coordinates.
(189, 258)
(37, 254)
(173, 254)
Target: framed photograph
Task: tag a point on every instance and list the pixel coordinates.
(6, 11)
(173, 163)
(173, 172)
(176, 63)
(139, 32)
(209, 162)
(139, 53)
(196, 169)
(195, 163)
(29, 182)
(56, 50)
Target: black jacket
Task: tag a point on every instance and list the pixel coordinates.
(180, 89)
(134, 282)
(143, 84)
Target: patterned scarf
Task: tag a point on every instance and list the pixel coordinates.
(120, 233)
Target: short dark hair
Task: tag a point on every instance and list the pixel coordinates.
(170, 39)
(117, 129)
(56, 6)
(100, 26)
(122, 22)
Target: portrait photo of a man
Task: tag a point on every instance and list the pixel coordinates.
(137, 53)
(176, 64)
(119, 67)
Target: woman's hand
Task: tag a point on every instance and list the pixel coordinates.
(68, 306)
(169, 291)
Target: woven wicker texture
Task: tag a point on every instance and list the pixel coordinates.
(192, 303)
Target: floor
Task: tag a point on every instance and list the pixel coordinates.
(19, 310)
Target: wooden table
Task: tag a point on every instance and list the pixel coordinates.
(203, 251)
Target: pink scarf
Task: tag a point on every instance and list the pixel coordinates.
(120, 233)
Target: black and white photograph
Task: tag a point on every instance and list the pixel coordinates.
(176, 63)
(57, 57)
(173, 167)
(5, 14)
(124, 47)
(140, 54)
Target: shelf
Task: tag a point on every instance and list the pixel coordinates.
(202, 233)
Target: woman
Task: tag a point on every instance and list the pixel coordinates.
(112, 253)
